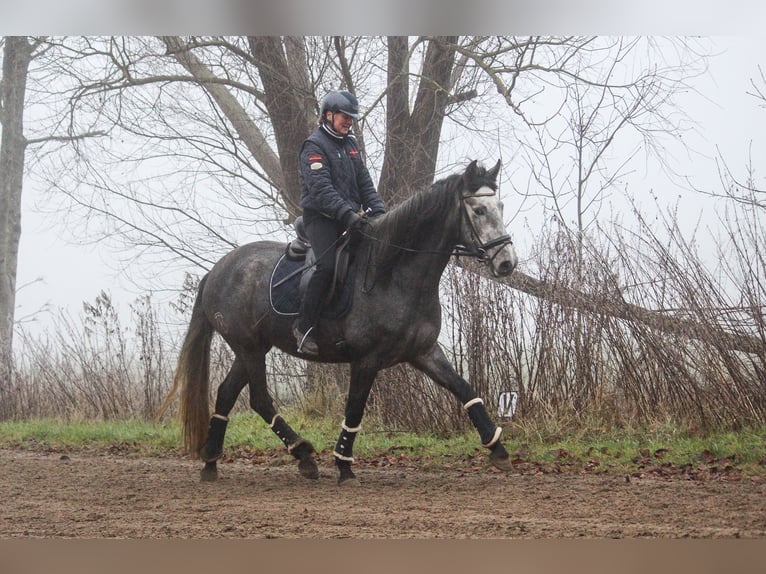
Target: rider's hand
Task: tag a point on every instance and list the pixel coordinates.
(353, 221)
(358, 226)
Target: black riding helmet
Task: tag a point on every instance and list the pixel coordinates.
(335, 102)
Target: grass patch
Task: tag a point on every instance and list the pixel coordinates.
(599, 452)
(625, 451)
(54, 434)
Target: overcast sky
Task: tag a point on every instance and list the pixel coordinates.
(55, 275)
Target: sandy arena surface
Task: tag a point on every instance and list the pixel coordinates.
(82, 495)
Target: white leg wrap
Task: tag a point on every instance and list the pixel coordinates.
(498, 432)
(341, 457)
(223, 418)
(476, 401)
(348, 429)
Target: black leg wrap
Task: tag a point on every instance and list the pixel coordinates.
(344, 448)
(488, 430)
(213, 449)
(285, 433)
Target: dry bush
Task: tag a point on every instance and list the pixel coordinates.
(91, 368)
(585, 368)
(94, 367)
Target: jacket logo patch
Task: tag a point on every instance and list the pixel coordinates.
(316, 165)
(315, 157)
(354, 152)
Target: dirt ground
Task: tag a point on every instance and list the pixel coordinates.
(81, 495)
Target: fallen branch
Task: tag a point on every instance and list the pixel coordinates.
(620, 309)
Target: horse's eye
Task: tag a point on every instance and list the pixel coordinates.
(480, 211)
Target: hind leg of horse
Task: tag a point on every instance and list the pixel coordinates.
(435, 365)
(362, 379)
(227, 395)
(262, 403)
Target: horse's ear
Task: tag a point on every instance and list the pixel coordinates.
(492, 173)
(470, 172)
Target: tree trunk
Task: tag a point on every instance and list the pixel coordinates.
(16, 58)
(286, 88)
(412, 138)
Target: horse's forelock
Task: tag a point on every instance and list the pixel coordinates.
(480, 177)
(483, 181)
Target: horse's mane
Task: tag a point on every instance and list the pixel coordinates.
(413, 223)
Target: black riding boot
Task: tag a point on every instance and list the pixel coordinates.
(323, 234)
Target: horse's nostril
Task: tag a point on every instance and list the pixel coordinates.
(504, 268)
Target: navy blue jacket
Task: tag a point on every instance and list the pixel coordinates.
(334, 178)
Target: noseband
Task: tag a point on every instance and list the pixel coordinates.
(479, 249)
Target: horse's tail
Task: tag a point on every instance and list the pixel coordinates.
(192, 378)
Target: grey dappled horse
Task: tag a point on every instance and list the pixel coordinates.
(395, 317)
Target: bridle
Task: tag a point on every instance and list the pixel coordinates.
(479, 249)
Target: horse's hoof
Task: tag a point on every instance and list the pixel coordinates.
(308, 468)
(208, 475)
(503, 464)
(349, 482)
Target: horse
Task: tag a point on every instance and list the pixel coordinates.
(394, 317)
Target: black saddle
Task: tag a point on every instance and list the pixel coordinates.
(299, 247)
(292, 272)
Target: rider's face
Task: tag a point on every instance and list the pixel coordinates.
(341, 123)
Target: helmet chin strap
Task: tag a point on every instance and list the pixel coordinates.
(327, 126)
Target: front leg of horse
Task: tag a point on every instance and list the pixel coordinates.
(489, 433)
(344, 453)
(362, 378)
(435, 365)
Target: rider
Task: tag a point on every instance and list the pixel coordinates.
(337, 193)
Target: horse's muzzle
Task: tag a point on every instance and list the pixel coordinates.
(504, 261)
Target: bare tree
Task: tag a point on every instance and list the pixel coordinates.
(223, 119)
(412, 136)
(17, 54)
(241, 107)
(15, 85)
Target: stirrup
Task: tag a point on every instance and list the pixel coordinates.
(306, 344)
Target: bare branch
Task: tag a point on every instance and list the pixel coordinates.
(66, 139)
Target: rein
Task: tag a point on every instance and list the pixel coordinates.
(479, 251)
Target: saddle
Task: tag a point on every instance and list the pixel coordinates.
(292, 273)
